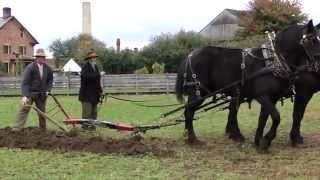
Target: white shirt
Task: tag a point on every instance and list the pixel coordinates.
(40, 66)
(93, 66)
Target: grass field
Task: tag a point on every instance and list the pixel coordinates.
(220, 158)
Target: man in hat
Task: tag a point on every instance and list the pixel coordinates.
(90, 87)
(35, 86)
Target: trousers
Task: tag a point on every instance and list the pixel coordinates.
(22, 115)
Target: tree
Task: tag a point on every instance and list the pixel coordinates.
(270, 15)
(171, 49)
(76, 47)
(123, 62)
(61, 51)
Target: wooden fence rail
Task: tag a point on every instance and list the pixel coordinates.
(122, 83)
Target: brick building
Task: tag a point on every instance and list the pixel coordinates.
(16, 43)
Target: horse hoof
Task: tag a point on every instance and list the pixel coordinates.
(228, 131)
(257, 142)
(194, 141)
(297, 141)
(238, 138)
(262, 151)
(264, 144)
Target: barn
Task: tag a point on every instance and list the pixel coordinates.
(224, 26)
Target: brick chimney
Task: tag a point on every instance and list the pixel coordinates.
(118, 45)
(6, 12)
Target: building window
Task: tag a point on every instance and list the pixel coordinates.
(6, 49)
(22, 50)
(5, 67)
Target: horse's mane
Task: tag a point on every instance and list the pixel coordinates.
(292, 27)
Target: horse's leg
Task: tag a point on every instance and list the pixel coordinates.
(189, 114)
(300, 103)
(269, 104)
(232, 126)
(263, 117)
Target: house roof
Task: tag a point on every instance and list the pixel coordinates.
(227, 16)
(3, 22)
(237, 13)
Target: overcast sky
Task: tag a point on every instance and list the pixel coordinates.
(133, 21)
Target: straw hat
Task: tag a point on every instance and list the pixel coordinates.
(40, 53)
(91, 54)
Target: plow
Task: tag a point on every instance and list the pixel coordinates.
(165, 121)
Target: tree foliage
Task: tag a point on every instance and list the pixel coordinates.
(270, 15)
(158, 68)
(163, 54)
(123, 62)
(143, 70)
(170, 49)
(76, 47)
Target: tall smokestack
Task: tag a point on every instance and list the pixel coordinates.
(118, 45)
(6, 12)
(86, 18)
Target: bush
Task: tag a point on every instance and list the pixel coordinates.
(158, 68)
(143, 70)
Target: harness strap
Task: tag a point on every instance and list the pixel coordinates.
(243, 66)
(196, 83)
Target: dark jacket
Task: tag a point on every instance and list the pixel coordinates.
(32, 84)
(90, 87)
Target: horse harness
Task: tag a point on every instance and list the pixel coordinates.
(274, 61)
(312, 64)
(277, 66)
(194, 78)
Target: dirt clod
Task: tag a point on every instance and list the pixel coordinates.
(35, 138)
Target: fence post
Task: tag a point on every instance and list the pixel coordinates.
(167, 83)
(16, 86)
(136, 83)
(102, 83)
(68, 84)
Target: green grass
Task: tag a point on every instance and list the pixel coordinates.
(220, 158)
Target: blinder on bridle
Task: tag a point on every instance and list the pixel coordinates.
(311, 45)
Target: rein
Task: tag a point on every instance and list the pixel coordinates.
(136, 102)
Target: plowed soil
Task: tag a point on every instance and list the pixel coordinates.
(35, 138)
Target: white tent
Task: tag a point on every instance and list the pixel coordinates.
(71, 66)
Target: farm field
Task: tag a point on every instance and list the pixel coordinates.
(158, 154)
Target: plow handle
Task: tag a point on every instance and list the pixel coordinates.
(60, 106)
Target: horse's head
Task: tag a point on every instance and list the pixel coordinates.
(311, 40)
(299, 42)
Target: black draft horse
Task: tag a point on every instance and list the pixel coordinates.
(308, 81)
(212, 68)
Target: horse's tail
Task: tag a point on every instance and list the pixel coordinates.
(179, 83)
(179, 89)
